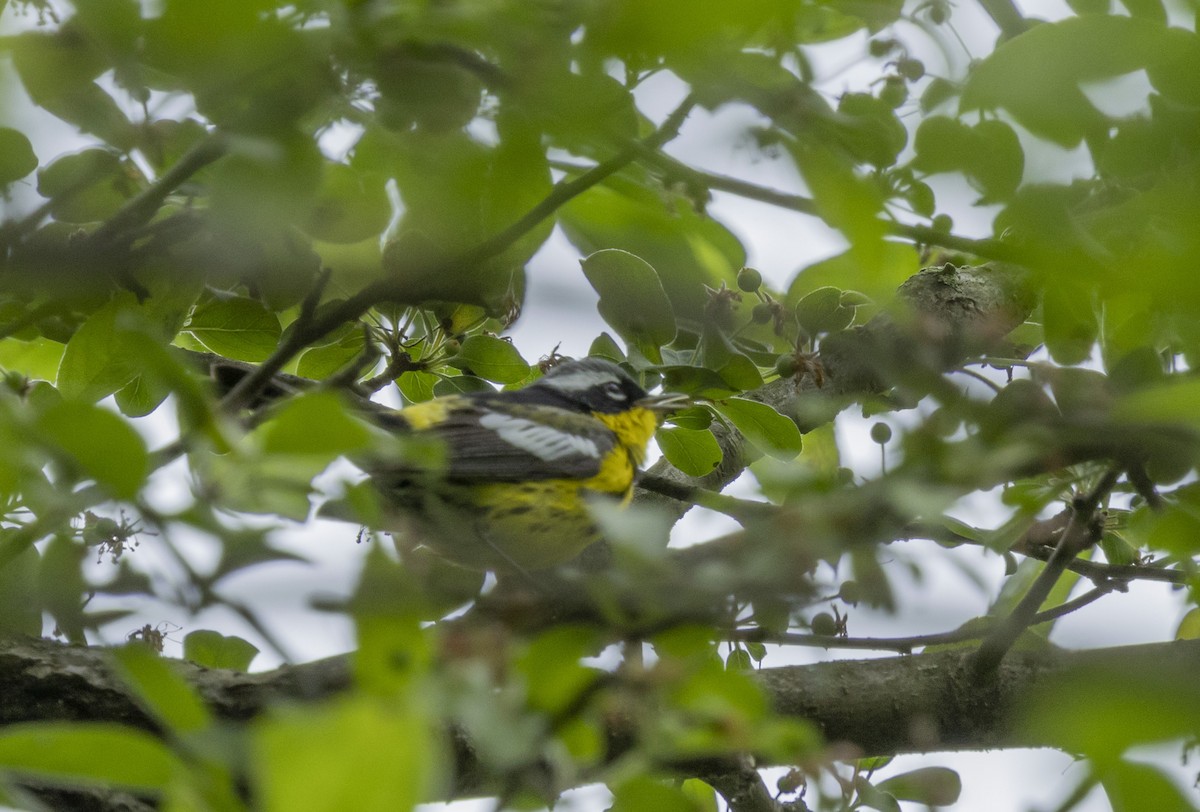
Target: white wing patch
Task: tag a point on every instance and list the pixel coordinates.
(542, 441)
(580, 380)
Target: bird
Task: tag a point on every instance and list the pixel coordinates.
(519, 468)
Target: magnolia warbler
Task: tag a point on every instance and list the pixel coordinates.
(520, 467)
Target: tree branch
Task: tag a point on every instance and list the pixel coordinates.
(395, 289)
(965, 308)
(922, 703)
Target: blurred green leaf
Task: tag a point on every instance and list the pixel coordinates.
(552, 669)
(20, 609)
(1039, 76)
(212, 649)
(236, 327)
(686, 248)
(350, 206)
(100, 443)
(632, 299)
(932, 786)
(86, 186)
(315, 757)
(339, 349)
(989, 154)
(1189, 626)
(694, 452)
(61, 588)
(160, 689)
(1133, 787)
(89, 753)
(17, 158)
(642, 793)
(1140, 706)
(57, 70)
(315, 423)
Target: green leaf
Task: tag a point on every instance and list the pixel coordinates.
(632, 299)
(38, 358)
(160, 689)
(932, 786)
(765, 428)
(1189, 626)
(822, 311)
(739, 660)
(315, 423)
(350, 206)
(417, 386)
(57, 70)
(1038, 76)
(315, 757)
(93, 753)
(238, 328)
(97, 360)
(1134, 787)
(340, 349)
(461, 384)
(1175, 401)
(141, 396)
(214, 650)
(696, 418)
(845, 200)
(552, 670)
(20, 607)
(605, 346)
(643, 793)
(101, 444)
(492, 359)
(696, 453)
(86, 186)
(687, 248)
(989, 154)
(17, 158)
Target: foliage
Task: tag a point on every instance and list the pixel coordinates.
(212, 214)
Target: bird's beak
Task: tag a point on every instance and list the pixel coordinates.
(665, 403)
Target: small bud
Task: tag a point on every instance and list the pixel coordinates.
(786, 366)
(881, 433)
(911, 69)
(824, 625)
(749, 280)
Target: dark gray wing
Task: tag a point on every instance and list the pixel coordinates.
(502, 442)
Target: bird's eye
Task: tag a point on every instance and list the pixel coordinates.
(614, 390)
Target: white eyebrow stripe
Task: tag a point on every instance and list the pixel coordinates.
(542, 441)
(578, 381)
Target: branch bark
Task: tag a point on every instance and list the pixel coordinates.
(922, 703)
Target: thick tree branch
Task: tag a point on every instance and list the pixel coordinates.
(922, 703)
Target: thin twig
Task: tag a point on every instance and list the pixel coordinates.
(393, 288)
(993, 249)
(906, 645)
(138, 210)
(1079, 534)
(397, 365)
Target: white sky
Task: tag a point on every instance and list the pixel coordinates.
(560, 309)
